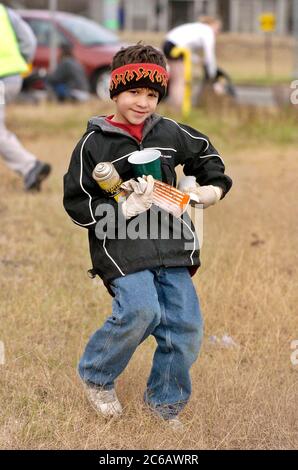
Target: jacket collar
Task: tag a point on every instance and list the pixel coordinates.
(100, 123)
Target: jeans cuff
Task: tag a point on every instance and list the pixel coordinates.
(166, 411)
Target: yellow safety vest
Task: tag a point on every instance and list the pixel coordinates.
(11, 60)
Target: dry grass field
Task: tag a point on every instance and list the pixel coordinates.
(243, 397)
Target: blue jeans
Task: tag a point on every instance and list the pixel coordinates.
(161, 302)
(62, 91)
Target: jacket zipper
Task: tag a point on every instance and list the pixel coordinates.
(154, 242)
(141, 147)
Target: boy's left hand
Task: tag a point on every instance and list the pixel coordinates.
(206, 195)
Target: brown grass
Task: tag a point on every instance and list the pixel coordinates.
(242, 398)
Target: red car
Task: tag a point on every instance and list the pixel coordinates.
(93, 45)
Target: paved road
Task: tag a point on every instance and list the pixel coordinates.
(263, 96)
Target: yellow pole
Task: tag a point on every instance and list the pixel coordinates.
(186, 53)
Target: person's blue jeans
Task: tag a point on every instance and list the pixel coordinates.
(162, 302)
(62, 91)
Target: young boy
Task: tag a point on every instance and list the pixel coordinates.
(149, 277)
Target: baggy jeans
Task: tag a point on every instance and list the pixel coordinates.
(161, 302)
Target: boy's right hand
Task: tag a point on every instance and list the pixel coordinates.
(132, 185)
(140, 200)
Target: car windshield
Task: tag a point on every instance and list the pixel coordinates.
(88, 32)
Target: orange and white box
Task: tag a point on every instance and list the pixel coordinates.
(170, 199)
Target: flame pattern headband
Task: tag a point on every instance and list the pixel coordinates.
(140, 75)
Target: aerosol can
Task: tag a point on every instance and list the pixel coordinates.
(109, 180)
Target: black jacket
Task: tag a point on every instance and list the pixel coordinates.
(113, 256)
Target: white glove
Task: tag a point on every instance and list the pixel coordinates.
(140, 198)
(132, 185)
(206, 195)
(219, 88)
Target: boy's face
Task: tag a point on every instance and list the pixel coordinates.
(135, 105)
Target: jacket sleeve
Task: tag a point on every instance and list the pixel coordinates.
(24, 34)
(82, 195)
(200, 159)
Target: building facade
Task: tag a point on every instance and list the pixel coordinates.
(237, 15)
(161, 15)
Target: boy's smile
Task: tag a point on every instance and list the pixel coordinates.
(135, 105)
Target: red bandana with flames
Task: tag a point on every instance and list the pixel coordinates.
(141, 75)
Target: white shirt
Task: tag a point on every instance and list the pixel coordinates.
(196, 36)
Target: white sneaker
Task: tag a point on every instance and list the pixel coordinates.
(104, 401)
(176, 424)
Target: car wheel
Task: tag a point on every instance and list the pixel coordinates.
(101, 83)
